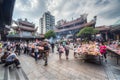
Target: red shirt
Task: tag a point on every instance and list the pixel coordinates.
(102, 49)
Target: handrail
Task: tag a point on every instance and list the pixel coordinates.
(114, 50)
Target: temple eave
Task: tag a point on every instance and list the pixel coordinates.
(76, 27)
(25, 29)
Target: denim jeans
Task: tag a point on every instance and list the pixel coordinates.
(36, 56)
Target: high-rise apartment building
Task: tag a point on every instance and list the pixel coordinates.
(47, 22)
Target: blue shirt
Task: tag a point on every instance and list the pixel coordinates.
(11, 57)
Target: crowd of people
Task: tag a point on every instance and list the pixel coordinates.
(92, 48)
(41, 49)
(11, 51)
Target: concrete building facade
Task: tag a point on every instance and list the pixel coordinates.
(46, 22)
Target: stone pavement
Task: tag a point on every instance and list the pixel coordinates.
(72, 69)
(7, 73)
(113, 67)
(11, 73)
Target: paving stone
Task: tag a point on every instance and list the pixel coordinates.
(2, 72)
(72, 69)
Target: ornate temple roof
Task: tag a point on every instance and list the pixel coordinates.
(26, 23)
(21, 25)
(81, 19)
(25, 28)
(70, 23)
(102, 28)
(75, 27)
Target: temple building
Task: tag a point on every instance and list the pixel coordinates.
(104, 31)
(22, 29)
(115, 30)
(64, 28)
(111, 32)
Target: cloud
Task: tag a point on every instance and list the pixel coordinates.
(107, 11)
(31, 9)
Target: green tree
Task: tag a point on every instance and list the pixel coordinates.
(12, 32)
(50, 34)
(87, 32)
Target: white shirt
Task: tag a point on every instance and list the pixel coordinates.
(36, 49)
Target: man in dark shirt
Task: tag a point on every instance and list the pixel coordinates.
(46, 52)
(18, 48)
(52, 45)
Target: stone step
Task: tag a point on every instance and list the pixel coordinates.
(2, 72)
(10, 73)
(13, 74)
(21, 74)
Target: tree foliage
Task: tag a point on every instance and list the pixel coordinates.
(50, 34)
(12, 33)
(87, 32)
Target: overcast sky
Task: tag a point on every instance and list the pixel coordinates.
(107, 11)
